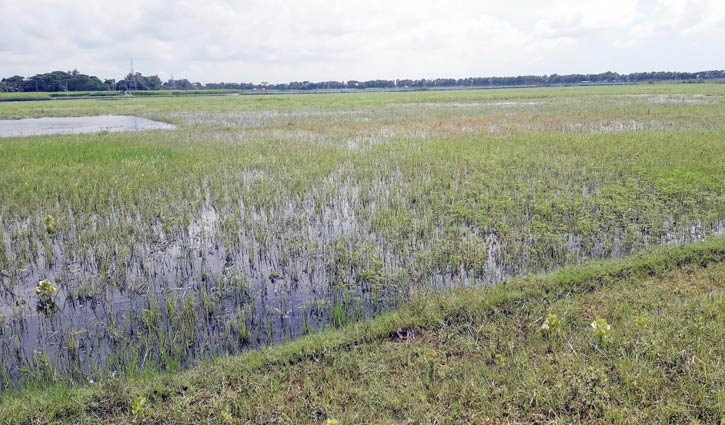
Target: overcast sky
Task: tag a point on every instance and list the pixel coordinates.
(280, 41)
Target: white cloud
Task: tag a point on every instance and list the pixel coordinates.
(276, 40)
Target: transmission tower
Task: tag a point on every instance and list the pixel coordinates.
(133, 77)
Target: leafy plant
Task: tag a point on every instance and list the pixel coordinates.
(45, 291)
(601, 329)
(137, 405)
(551, 325)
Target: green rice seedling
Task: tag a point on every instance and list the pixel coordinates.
(337, 315)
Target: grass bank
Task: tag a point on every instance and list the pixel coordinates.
(524, 350)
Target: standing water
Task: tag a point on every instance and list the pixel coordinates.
(78, 125)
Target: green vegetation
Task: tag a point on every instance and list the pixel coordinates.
(475, 355)
(261, 219)
(58, 81)
(17, 96)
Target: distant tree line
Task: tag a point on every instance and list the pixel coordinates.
(53, 82)
(59, 81)
(74, 81)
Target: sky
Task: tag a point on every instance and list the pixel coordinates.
(319, 40)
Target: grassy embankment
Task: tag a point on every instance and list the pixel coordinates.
(472, 356)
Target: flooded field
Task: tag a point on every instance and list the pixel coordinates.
(78, 125)
(258, 219)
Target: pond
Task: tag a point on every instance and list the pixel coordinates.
(78, 125)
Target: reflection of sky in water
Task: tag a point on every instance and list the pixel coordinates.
(78, 125)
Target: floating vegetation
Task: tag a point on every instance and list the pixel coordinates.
(260, 219)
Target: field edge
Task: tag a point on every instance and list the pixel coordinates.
(44, 402)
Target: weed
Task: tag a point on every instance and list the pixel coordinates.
(601, 329)
(45, 291)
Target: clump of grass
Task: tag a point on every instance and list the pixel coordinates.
(50, 225)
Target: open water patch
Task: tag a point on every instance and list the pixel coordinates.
(78, 125)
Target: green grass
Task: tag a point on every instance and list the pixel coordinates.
(475, 355)
(24, 96)
(263, 218)
(581, 102)
(15, 96)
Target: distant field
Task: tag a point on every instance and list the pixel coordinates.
(656, 87)
(260, 219)
(23, 95)
(15, 96)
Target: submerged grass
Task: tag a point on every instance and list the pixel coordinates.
(474, 355)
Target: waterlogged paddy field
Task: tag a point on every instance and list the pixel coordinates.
(262, 218)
